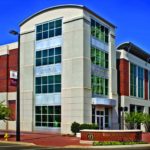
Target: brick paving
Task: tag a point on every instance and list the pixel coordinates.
(47, 139)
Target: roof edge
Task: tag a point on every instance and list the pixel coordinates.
(66, 6)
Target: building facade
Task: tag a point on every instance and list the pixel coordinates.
(68, 72)
(133, 79)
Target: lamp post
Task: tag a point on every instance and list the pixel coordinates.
(13, 32)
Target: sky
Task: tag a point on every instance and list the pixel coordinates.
(132, 17)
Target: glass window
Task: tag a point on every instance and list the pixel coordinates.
(58, 23)
(39, 36)
(140, 82)
(45, 27)
(50, 56)
(58, 51)
(51, 25)
(99, 86)
(39, 28)
(49, 29)
(99, 31)
(132, 79)
(99, 57)
(57, 87)
(44, 80)
(48, 116)
(38, 81)
(38, 54)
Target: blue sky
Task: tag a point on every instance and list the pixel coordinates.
(132, 17)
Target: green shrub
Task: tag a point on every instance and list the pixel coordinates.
(96, 143)
(88, 126)
(75, 127)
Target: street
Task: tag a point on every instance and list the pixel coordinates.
(7, 146)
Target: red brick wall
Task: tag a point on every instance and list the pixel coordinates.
(123, 68)
(7, 63)
(111, 136)
(12, 106)
(3, 73)
(146, 84)
(13, 55)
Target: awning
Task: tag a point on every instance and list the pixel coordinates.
(103, 101)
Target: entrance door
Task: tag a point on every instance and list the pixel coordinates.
(100, 120)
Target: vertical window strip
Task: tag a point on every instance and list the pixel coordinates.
(132, 79)
(99, 86)
(140, 82)
(99, 57)
(99, 31)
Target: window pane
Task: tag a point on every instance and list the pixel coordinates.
(57, 31)
(44, 54)
(51, 52)
(51, 33)
(57, 118)
(50, 110)
(58, 59)
(44, 118)
(44, 61)
(38, 54)
(44, 110)
(38, 36)
(57, 50)
(38, 80)
(38, 89)
(58, 79)
(45, 35)
(39, 28)
(38, 62)
(38, 118)
(44, 80)
(58, 23)
(50, 118)
(50, 79)
(58, 88)
(57, 110)
(38, 109)
(50, 88)
(51, 60)
(45, 27)
(44, 89)
(51, 25)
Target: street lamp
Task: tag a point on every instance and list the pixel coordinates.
(13, 32)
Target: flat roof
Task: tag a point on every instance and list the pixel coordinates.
(135, 50)
(67, 6)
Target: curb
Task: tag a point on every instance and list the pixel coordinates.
(110, 146)
(18, 143)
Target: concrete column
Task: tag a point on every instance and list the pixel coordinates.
(76, 74)
(113, 79)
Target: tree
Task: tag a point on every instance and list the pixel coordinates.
(4, 112)
(146, 122)
(133, 120)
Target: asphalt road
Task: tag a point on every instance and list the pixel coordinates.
(6, 146)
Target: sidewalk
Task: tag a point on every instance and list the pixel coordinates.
(46, 139)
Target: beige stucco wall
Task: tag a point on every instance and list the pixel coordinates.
(76, 75)
(76, 67)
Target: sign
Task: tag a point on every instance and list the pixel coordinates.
(90, 136)
(13, 74)
(13, 82)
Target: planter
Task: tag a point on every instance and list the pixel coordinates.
(146, 137)
(111, 135)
